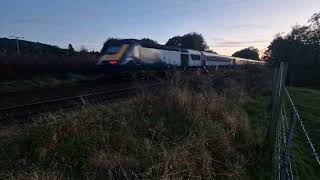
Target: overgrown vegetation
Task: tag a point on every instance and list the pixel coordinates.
(198, 127)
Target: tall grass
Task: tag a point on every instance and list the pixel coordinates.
(198, 128)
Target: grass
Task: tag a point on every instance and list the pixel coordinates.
(29, 71)
(45, 81)
(307, 102)
(197, 128)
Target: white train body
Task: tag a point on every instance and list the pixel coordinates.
(130, 54)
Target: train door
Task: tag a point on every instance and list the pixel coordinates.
(184, 60)
(203, 60)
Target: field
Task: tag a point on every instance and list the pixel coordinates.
(197, 127)
(307, 101)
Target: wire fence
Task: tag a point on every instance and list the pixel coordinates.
(283, 126)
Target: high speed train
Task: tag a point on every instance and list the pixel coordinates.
(130, 54)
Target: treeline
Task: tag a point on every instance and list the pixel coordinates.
(38, 58)
(8, 47)
(301, 49)
(191, 40)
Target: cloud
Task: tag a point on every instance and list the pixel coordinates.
(238, 43)
(248, 26)
(216, 39)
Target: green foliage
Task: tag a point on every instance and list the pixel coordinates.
(301, 49)
(261, 166)
(248, 53)
(189, 41)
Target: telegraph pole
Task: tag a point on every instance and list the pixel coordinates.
(17, 39)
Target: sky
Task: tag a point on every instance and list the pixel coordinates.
(227, 25)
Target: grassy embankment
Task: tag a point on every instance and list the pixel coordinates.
(46, 81)
(198, 127)
(19, 73)
(307, 101)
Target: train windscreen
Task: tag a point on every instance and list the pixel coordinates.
(113, 50)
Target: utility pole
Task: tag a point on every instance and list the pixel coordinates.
(17, 39)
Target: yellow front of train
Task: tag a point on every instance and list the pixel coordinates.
(113, 56)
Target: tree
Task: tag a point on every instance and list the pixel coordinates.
(189, 41)
(83, 49)
(248, 53)
(211, 51)
(175, 41)
(70, 48)
(301, 49)
(147, 41)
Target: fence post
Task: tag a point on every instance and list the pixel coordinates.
(277, 93)
(278, 89)
(288, 147)
(274, 83)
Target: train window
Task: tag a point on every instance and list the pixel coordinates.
(210, 58)
(218, 59)
(195, 57)
(113, 50)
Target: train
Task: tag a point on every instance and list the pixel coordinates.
(129, 54)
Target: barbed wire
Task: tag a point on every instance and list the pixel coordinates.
(303, 128)
(284, 121)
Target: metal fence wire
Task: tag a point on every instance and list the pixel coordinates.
(282, 127)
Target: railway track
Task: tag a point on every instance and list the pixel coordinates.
(25, 112)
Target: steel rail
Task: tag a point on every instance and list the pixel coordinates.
(24, 109)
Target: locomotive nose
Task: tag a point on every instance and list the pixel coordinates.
(113, 55)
